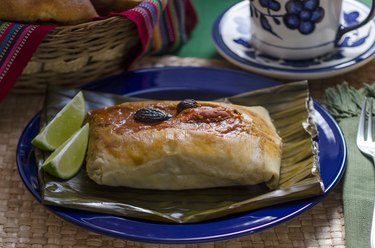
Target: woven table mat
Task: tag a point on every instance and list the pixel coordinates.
(26, 223)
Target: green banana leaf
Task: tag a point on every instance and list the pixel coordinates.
(290, 107)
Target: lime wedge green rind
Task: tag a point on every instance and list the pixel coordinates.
(68, 158)
(63, 125)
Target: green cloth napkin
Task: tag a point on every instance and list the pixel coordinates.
(344, 102)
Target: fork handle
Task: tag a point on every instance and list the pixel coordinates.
(372, 237)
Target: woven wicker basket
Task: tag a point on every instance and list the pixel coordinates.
(74, 55)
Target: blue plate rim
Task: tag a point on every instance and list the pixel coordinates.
(65, 213)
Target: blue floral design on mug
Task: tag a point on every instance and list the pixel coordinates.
(350, 41)
(301, 15)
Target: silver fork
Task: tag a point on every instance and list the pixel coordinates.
(367, 146)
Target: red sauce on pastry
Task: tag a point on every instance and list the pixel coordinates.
(206, 117)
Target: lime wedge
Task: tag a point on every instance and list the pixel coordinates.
(63, 125)
(68, 158)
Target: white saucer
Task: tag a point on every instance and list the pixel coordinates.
(231, 36)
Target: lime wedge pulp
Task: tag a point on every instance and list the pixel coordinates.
(63, 125)
(68, 158)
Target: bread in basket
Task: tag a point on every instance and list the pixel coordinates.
(78, 51)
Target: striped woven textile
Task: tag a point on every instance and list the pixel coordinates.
(163, 26)
(18, 42)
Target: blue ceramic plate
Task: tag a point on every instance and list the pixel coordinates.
(231, 36)
(203, 84)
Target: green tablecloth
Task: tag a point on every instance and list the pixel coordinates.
(200, 44)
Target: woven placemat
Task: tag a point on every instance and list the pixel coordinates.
(26, 223)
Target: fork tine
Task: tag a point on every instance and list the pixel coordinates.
(369, 122)
(361, 124)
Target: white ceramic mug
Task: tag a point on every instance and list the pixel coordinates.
(298, 29)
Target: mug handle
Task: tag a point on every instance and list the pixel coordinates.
(343, 30)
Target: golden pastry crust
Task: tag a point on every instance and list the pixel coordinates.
(212, 145)
(60, 11)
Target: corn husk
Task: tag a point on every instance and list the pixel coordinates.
(290, 108)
